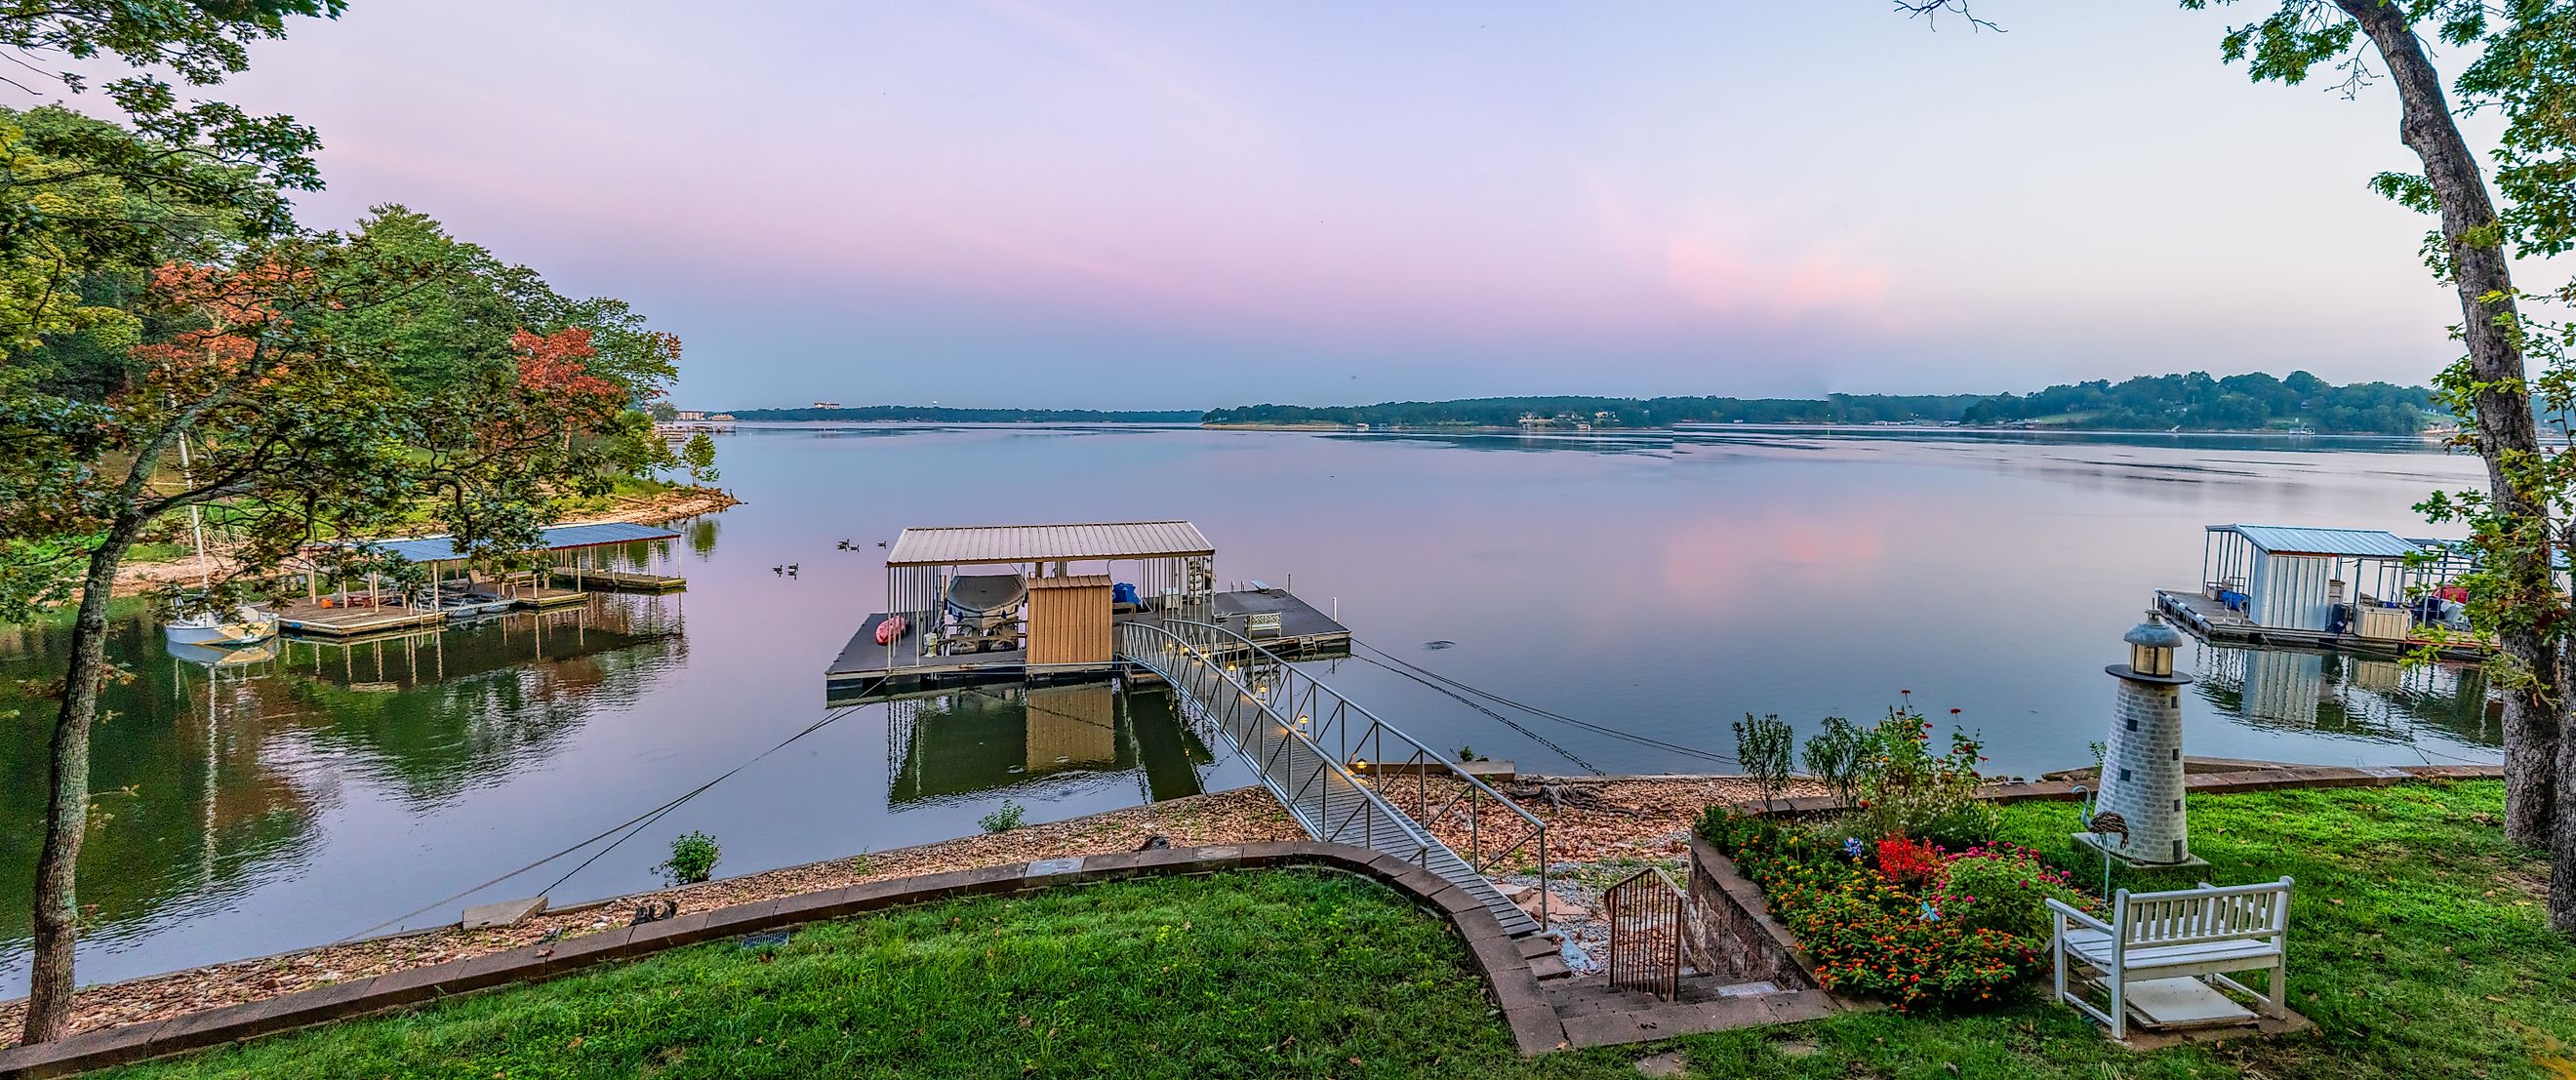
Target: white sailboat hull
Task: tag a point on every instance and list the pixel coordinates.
(217, 632)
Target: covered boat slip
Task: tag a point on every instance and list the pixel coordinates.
(983, 603)
(2361, 589)
(573, 556)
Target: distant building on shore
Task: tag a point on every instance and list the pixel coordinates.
(827, 404)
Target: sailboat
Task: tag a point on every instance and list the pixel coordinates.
(244, 625)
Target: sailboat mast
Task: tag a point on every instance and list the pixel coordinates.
(196, 521)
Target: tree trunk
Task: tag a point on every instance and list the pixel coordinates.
(57, 906)
(2536, 771)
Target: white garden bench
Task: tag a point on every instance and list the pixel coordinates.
(2200, 933)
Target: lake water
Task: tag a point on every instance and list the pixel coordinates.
(1658, 586)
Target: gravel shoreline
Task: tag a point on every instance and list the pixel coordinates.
(1635, 820)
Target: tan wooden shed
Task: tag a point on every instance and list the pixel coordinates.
(1069, 620)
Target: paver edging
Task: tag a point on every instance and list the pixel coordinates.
(1482, 936)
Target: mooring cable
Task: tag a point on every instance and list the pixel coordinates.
(1421, 674)
(630, 826)
(1515, 725)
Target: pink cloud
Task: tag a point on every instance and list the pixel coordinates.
(1728, 279)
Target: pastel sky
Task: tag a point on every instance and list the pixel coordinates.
(1168, 205)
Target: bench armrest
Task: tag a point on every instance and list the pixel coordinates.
(2077, 914)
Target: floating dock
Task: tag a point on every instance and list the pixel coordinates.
(1303, 632)
(618, 580)
(343, 622)
(2218, 624)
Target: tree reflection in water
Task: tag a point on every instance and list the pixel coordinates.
(213, 768)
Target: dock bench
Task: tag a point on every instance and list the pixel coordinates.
(2200, 933)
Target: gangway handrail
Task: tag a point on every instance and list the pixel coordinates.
(1323, 714)
(1376, 722)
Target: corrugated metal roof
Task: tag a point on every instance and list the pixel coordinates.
(426, 549)
(1047, 543)
(2365, 543)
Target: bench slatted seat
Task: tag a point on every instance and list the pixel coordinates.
(2204, 933)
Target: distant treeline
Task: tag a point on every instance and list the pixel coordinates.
(2192, 402)
(929, 414)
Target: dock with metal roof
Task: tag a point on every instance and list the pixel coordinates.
(2357, 590)
(954, 588)
(574, 571)
(865, 668)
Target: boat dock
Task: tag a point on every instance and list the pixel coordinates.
(1005, 602)
(1302, 633)
(619, 580)
(353, 611)
(311, 618)
(2364, 591)
(2218, 624)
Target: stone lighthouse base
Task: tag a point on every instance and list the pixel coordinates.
(2106, 847)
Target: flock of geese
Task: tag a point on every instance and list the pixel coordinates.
(789, 569)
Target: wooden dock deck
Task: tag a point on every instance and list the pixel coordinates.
(2215, 623)
(544, 597)
(344, 622)
(1303, 632)
(620, 580)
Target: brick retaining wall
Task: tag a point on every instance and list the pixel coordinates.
(1507, 976)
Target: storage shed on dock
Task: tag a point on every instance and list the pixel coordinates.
(1069, 621)
(2288, 578)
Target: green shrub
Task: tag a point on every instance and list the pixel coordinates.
(2003, 887)
(1766, 747)
(1835, 755)
(1004, 818)
(1907, 790)
(693, 859)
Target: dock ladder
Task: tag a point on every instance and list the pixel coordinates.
(1345, 775)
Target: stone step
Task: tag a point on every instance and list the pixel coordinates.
(1597, 1001)
(1550, 966)
(1665, 1021)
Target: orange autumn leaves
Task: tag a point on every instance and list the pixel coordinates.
(235, 306)
(554, 364)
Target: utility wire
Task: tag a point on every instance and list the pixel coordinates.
(630, 826)
(1515, 725)
(1425, 674)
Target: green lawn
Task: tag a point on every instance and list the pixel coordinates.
(2434, 964)
(1247, 973)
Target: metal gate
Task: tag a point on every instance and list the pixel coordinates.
(1648, 916)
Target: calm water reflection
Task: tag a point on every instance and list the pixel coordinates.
(1657, 585)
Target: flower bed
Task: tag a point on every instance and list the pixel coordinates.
(1883, 913)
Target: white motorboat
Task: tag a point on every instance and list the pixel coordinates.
(244, 625)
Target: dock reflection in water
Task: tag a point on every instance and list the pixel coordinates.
(2351, 696)
(972, 742)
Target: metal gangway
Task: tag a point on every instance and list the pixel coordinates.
(1345, 775)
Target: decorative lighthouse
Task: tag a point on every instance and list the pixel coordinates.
(2138, 817)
